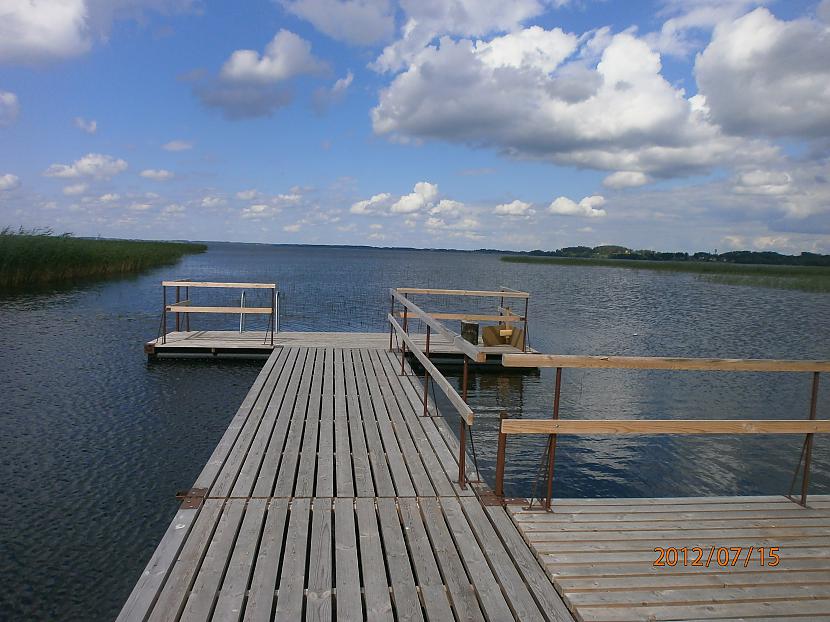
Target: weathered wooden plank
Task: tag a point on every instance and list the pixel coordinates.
(272, 456)
(293, 574)
(256, 453)
(423, 560)
(645, 568)
(144, 593)
(655, 426)
(489, 591)
(230, 469)
(319, 594)
(511, 581)
(325, 484)
(264, 580)
(375, 582)
(216, 284)
(618, 546)
(171, 600)
(700, 596)
(412, 455)
(224, 310)
(362, 470)
(572, 521)
(700, 524)
(550, 603)
(377, 457)
(621, 557)
(812, 608)
(342, 445)
(705, 537)
(463, 292)
(202, 598)
(349, 605)
(663, 581)
(462, 594)
(308, 454)
(226, 443)
(404, 594)
(287, 472)
(410, 416)
(656, 362)
(231, 597)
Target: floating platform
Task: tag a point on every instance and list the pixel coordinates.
(333, 495)
(257, 344)
(600, 554)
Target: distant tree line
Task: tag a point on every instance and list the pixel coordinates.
(610, 251)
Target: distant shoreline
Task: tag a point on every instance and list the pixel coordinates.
(803, 278)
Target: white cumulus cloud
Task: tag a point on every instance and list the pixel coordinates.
(762, 75)
(371, 205)
(9, 107)
(422, 195)
(360, 22)
(590, 207)
(286, 55)
(177, 145)
(626, 179)
(94, 165)
(9, 182)
(90, 126)
(157, 174)
(75, 189)
(514, 208)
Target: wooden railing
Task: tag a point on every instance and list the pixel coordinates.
(470, 351)
(186, 307)
(555, 426)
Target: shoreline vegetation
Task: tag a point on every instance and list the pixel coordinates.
(788, 274)
(30, 258)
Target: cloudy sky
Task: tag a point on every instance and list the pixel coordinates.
(670, 124)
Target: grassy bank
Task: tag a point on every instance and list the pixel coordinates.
(805, 278)
(31, 258)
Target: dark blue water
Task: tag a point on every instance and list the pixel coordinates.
(94, 442)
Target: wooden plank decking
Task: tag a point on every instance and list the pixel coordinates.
(600, 554)
(257, 342)
(331, 496)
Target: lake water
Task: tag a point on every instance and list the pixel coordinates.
(94, 441)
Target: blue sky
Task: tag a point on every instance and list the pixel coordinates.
(677, 125)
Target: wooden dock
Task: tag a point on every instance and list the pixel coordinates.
(257, 344)
(600, 554)
(332, 496)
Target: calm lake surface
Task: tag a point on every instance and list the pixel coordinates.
(94, 441)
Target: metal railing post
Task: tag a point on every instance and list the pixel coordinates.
(500, 457)
(187, 315)
(808, 452)
(426, 380)
(524, 333)
(403, 343)
(178, 299)
(164, 313)
(392, 313)
(462, 455)
(552, 439)
(464, 379)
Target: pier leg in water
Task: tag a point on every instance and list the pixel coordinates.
(552, 440)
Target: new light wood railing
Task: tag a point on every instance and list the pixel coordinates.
(556, 426)
(186, 307)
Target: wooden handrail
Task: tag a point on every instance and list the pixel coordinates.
(653, 362)
(470, 350)
(179, 308)
(473, 317)
(463, 292)
(662, 426)
(213, 284)
(437, 377)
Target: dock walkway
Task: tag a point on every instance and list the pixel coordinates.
(600, 554)
(331, 496)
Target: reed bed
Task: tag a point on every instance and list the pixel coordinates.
(803, 278)
(38, 257)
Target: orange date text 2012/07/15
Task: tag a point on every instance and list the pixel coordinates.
(723, 556)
